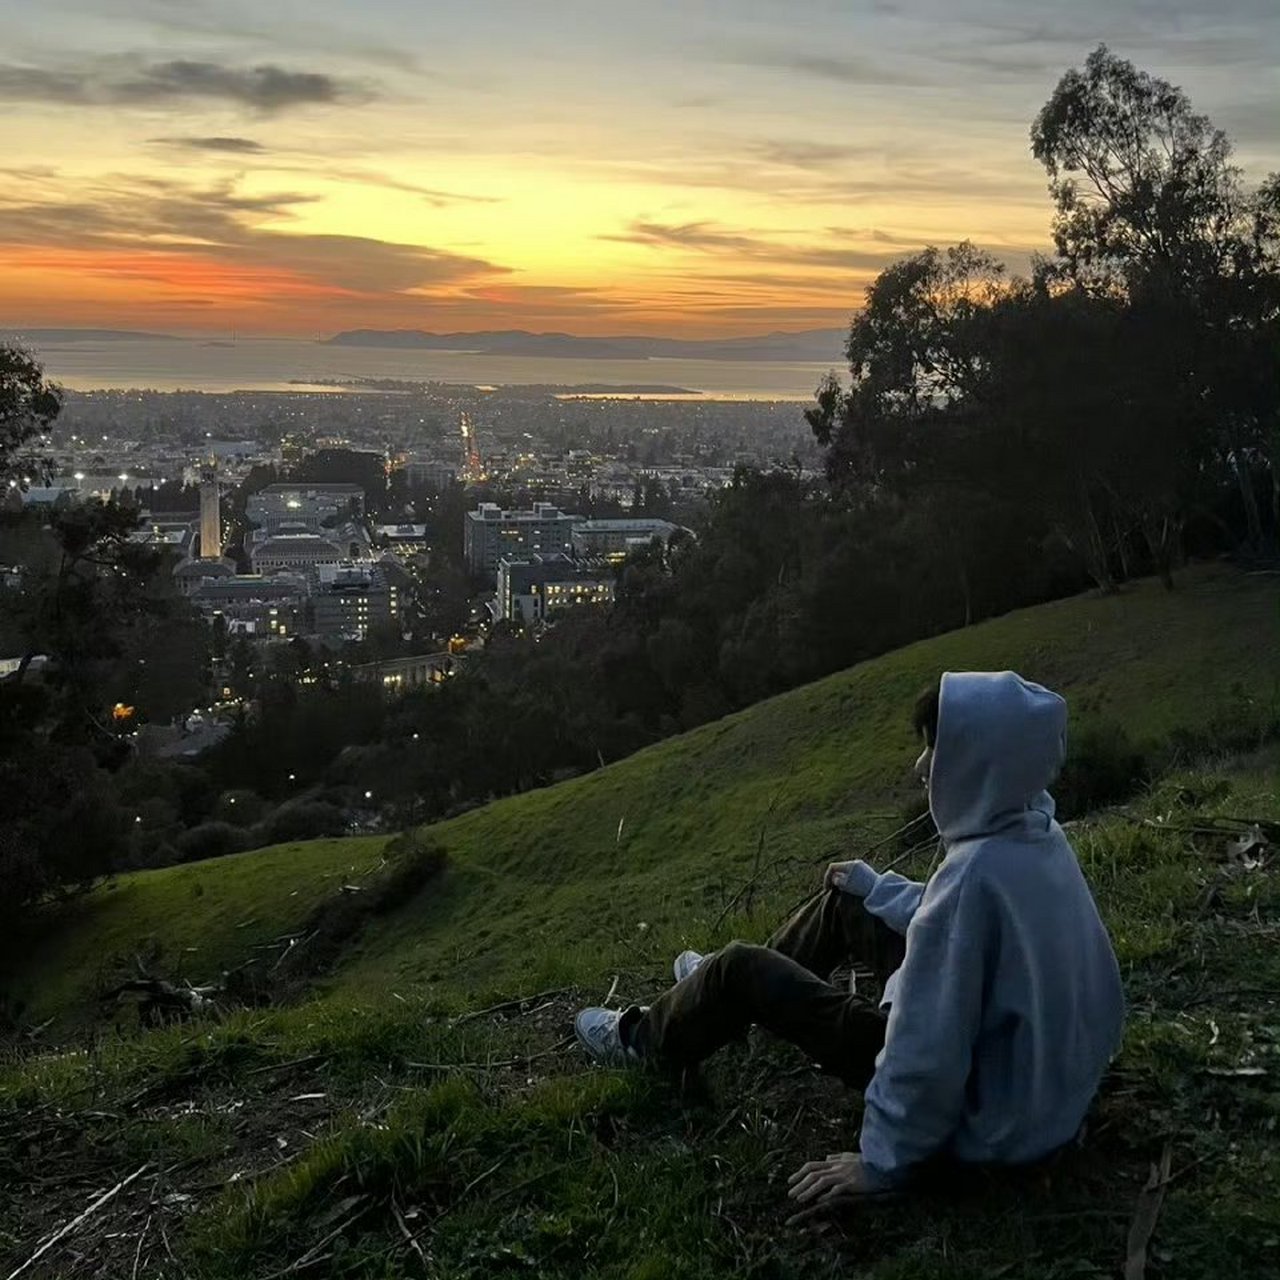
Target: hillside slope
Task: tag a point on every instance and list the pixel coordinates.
(555, 884)
(426, 1112)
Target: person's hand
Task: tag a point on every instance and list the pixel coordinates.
(824, 1187)
(836, 875)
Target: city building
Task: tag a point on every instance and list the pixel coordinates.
(399, 675)
(304, 504)
(190, 573)
(615, 539)
(490, 533)
(349, 599)
(534, 588)
(55, 497)
(233, 450)
(294, 551)
(429, 472)
(404, 538)
(178, 536)
(255, 605)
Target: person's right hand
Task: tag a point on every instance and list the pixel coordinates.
(836, 875)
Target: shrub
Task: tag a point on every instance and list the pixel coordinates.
(334, 922)
(212, 840)
(1103, 766)
(300, 820)
(241, 807)
(411, 862)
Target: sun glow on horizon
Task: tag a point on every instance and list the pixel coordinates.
(676, 170)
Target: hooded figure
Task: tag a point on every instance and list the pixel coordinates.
(1002, 1002)
(1008, 1005)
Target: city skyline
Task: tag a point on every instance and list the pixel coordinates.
(697, 169)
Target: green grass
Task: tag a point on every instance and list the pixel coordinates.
(307, 1134)
(192, 922)
(549, 887)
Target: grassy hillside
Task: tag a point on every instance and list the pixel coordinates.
(555, 884)
(415, 1117)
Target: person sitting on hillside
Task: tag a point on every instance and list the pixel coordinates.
(1001, 1004)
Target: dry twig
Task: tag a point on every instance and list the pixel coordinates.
(410, 1239)
(137, 1255)
(503, 1005)
(71, 1226)
(1145, 1214)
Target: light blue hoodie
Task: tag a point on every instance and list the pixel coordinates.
(1008, 1005)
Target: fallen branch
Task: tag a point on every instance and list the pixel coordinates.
(503, 1005)
(313, 1255)
(137, 1255)
(479, 1178)
(1220, 825)
(285, 1066)
(71, 1226)
(410, 1239)
(294, 946)
(1227, 993)
(1145, 1213)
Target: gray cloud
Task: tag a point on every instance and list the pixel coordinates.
(434, 196)
(705, 237)
(127, 81)
(142, 221)
(798, 154)
(265, 30)
(235, 146)
(846, 70)
(686, 235)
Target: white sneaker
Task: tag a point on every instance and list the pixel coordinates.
(686, 963)
(598, 1034)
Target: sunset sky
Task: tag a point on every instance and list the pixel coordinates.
(687, 167)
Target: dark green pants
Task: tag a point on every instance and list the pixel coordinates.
(782, 987)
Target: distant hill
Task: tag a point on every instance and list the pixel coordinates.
(85, 335)
(821, 345)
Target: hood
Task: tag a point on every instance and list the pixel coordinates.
(1001, 741)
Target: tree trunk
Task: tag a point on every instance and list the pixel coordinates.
(1238, 460)
(1097, 561)
(1249, 499)
(1122, 549)
(1162, 534)
(1273, 463)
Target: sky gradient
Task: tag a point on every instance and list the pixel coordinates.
(684, 167)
